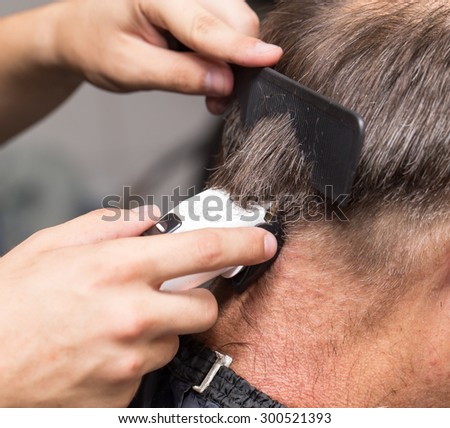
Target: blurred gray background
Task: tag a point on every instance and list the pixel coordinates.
(95, 145)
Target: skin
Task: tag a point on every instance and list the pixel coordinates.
(312, 335)
(82, 316)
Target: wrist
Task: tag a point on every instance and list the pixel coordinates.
(49, 47)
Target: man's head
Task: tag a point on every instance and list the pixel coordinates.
(384, 273)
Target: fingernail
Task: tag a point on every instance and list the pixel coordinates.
(215, 82)
(263, 48)
(270, 245)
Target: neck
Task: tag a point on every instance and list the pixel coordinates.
(308, 342)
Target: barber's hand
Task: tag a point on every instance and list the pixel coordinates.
(121, 45)
(82, 318)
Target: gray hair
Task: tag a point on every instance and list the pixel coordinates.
(389, 61)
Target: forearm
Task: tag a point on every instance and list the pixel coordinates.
(32, 82)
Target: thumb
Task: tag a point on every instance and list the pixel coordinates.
(96, 226)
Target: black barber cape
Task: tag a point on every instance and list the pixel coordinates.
(173, 385)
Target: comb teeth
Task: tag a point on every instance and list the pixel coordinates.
(329, 135)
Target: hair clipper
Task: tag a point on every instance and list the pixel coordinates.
(213, 208)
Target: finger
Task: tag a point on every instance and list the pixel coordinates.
(207, 34)
(96, 226)
(187, 312)
(159, 352)
(236, 13)
(185, 72)
(155, 259)
(218, 105)
(134, 359)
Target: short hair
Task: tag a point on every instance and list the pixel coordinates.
(390, 62)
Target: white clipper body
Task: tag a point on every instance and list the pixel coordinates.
(210, 209)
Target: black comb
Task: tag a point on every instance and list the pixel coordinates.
(329, 135)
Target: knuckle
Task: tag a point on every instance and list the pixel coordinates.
(209, 248)
(132, 327)
(130, 367)
(202, 25)
(103, 213)
(44, 239)
(39, 237)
